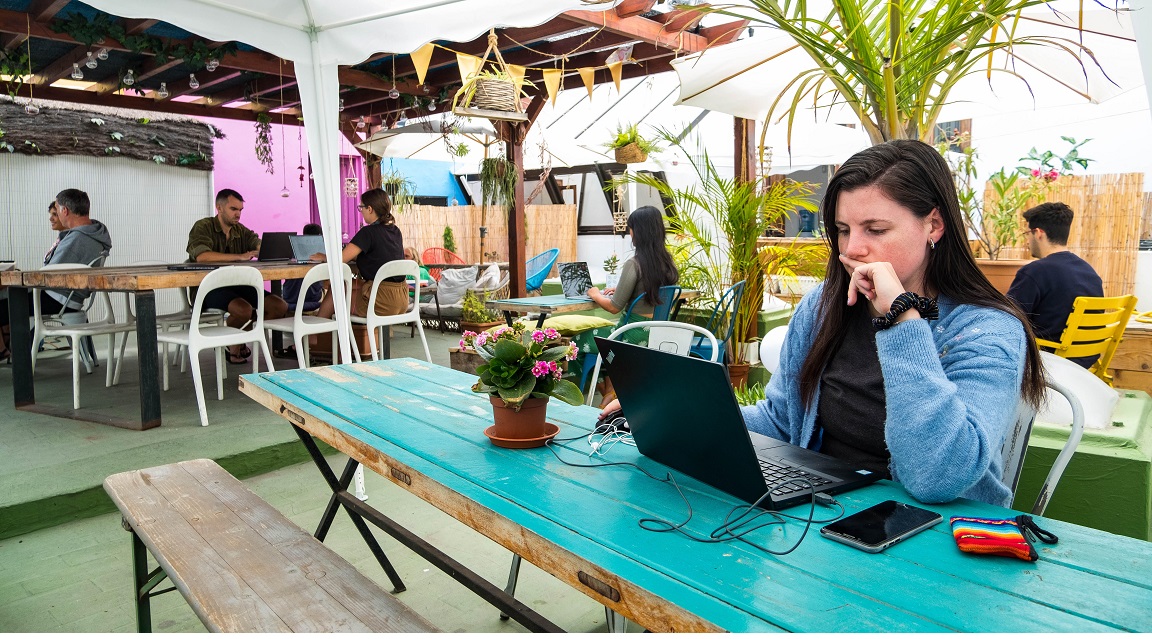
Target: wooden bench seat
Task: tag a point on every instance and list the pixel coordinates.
(240, 564)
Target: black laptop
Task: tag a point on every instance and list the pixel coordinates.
(575, 279)
(683, 414)
(275, 247)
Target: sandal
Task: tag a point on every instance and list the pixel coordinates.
(287, 353)
(245, 352)
(234, 358)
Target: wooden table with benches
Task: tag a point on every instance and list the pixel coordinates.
(419, 425)
(141, 282)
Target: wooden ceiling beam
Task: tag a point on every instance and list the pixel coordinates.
(142, 103)
(62, 66)
(681, 19)
(38, 11)
(629, 8)
(639, 28)
(136, 27)
(212, 80)
(719, 34)
(526, 36)
(651, 67)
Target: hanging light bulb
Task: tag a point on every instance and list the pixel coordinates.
(284, 192)
(211, 64)
(393, 93)
(193, 83)
(31, 108)
(102, 53)
(432, 105)
(129, 78)
(403, 119)
(360, 123)
(341, 104)
(91, 61)
(77, 74)
(163, 92)
(427, 89)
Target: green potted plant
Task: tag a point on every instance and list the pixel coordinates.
(629, 146)
(400, 189)
(474, 315)
(611, 265)
(449, 239)
(521, 371)
(719, 221)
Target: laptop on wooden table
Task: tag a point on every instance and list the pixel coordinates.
(683, 414)
(575, 280)
(275, 246)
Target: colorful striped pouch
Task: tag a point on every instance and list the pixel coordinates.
(1005, 537)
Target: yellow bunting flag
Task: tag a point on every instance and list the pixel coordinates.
(589, 76)
(517, 73)
(552, 79)
(469, 66)
(420, 59)
(616, 68)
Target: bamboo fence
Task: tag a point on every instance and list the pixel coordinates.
(549, 226)
(1106, 229)
(1146, 220)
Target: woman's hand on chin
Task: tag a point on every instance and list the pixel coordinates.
(876, 281)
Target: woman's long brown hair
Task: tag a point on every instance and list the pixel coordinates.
(913, 175)
(381, 204)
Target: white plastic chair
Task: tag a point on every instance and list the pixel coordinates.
(1016, 446)
(667, 336)
(63, 324)
(374, 322)
(301, 325)
(197, 337)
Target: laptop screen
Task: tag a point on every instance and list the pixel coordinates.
(305, 246)
(274, 245)
(574, 278)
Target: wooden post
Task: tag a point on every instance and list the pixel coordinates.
(517, 252)
(744, 153)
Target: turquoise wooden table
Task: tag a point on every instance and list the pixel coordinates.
(547, 304)
(418, 425)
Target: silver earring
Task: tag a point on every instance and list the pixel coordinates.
(931, 244)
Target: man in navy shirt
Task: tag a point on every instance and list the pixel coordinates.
(1046, 288)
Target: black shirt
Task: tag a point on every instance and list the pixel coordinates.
(1046, 288)
(851, 410)
(378, 243)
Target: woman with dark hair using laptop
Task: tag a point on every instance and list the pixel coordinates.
(906, 360)
(379, 242)
(641, 275)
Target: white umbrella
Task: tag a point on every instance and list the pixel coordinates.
(745, 78)
(319, 35)
(409, 140)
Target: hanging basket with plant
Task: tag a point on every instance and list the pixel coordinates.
(631, 147)
(491, 93)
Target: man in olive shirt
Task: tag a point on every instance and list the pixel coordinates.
(224, 239)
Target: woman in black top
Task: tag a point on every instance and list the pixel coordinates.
(373, 245)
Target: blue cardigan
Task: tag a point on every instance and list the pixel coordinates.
(952, 388)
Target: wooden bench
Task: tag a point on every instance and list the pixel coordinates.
(240, 564)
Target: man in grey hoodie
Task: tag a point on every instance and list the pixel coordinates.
(82, 241)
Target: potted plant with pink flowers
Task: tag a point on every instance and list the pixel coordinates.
(522, 369)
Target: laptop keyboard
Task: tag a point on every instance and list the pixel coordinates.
(776, 474)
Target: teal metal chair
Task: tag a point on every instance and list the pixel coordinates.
(536, 269)
(721, 323)
(660, 313)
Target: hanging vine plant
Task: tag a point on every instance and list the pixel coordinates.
(497, 181)
(264, 142)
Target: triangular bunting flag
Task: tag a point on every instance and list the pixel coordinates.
(552, 79)
(517, 73)
(420, 59)
(589, 76)
(469, 66)
(616, 68)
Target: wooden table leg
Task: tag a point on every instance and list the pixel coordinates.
(149, 360)
(20, 343)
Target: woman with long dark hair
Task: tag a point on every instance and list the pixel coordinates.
(645, 272)
(379, 242)
(905, 360)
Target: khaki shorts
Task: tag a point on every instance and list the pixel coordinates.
(391, 300)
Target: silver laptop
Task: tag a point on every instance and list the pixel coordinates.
(575, 279)
(305, 246)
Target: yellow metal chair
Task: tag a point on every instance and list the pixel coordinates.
(1095, 327)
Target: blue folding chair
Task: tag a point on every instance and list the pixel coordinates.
(725, 312)
(668, 297)
(536, 270)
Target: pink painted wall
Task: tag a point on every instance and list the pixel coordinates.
(237, 168)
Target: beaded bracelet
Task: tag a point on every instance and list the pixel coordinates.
(926, 306)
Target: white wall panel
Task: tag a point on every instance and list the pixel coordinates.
(148, 208)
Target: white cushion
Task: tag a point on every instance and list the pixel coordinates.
(1097, 398)
(490, 277)
(453, 282)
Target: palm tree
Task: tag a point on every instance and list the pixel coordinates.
(894, 62)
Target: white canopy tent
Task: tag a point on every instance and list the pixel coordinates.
(318, 36)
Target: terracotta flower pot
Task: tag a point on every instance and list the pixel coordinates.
(525, 428)
(1000, 272)
(738, 374)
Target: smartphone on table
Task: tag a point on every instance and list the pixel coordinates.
(881, 526)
